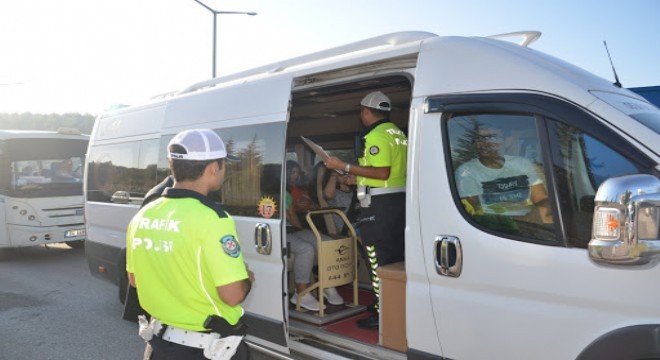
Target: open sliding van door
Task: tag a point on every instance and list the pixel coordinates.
(251, 119)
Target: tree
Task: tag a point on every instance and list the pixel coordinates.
(30, 121)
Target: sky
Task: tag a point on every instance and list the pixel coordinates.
(87, 56)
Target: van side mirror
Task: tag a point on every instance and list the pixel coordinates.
(626, 225)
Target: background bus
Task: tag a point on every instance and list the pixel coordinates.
(41, 187)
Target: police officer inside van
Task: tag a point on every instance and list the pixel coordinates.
(184, 257)
(381, 181)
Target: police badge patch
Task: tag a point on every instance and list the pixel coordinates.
(230, 246)
(374, 150)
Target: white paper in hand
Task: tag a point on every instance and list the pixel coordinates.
(317, 148)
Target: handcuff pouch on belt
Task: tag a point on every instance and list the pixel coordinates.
(145, 331)
(232, 335)
(363, 196)
(217, 324)
(364, 193)
(223, 348)
(215, 348)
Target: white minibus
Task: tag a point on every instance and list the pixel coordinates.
(579, 282)
(41, 184)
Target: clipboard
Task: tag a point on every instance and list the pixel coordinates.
(316, 148)
(319, 151)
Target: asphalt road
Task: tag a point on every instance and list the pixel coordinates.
(52, 308)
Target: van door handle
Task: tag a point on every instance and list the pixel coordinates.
(448, 255)
(263, 239)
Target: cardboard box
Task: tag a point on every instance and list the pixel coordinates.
(392, 332)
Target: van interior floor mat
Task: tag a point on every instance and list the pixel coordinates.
(333, 313)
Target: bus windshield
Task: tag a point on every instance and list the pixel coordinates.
(45, 167)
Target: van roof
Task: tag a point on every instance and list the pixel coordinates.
(383, 42)
(526, 68)
(388, 40)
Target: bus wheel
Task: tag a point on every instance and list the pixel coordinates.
(75, 244)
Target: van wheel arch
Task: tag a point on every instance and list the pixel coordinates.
(632, 342)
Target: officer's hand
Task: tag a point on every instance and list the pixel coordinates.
(334, 163)
(349, 179)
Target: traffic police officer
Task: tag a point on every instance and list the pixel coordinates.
(381, 180)
(184, 257)
(132, 306)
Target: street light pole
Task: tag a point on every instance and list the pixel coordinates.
(215, 24)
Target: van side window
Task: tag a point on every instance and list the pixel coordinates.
(127, 169)
(498, 172)
(583, 163)
(252, 185)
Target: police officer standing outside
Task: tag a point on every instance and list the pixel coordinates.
(381, 181)
(184, 257)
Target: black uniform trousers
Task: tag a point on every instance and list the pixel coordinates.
(159, 349)
(382, 227)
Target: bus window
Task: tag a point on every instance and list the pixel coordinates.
(45, 167)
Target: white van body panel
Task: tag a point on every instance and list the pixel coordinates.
(217, 108)
(419, 307)
(105, 222)
(384, 47)
(225, 107)
(513, 299)
(264, 301)
(513, 296)
(269, 97)
(144, 120)
(468, 65)
(112, 233)
(481, 64)
(613, 111)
